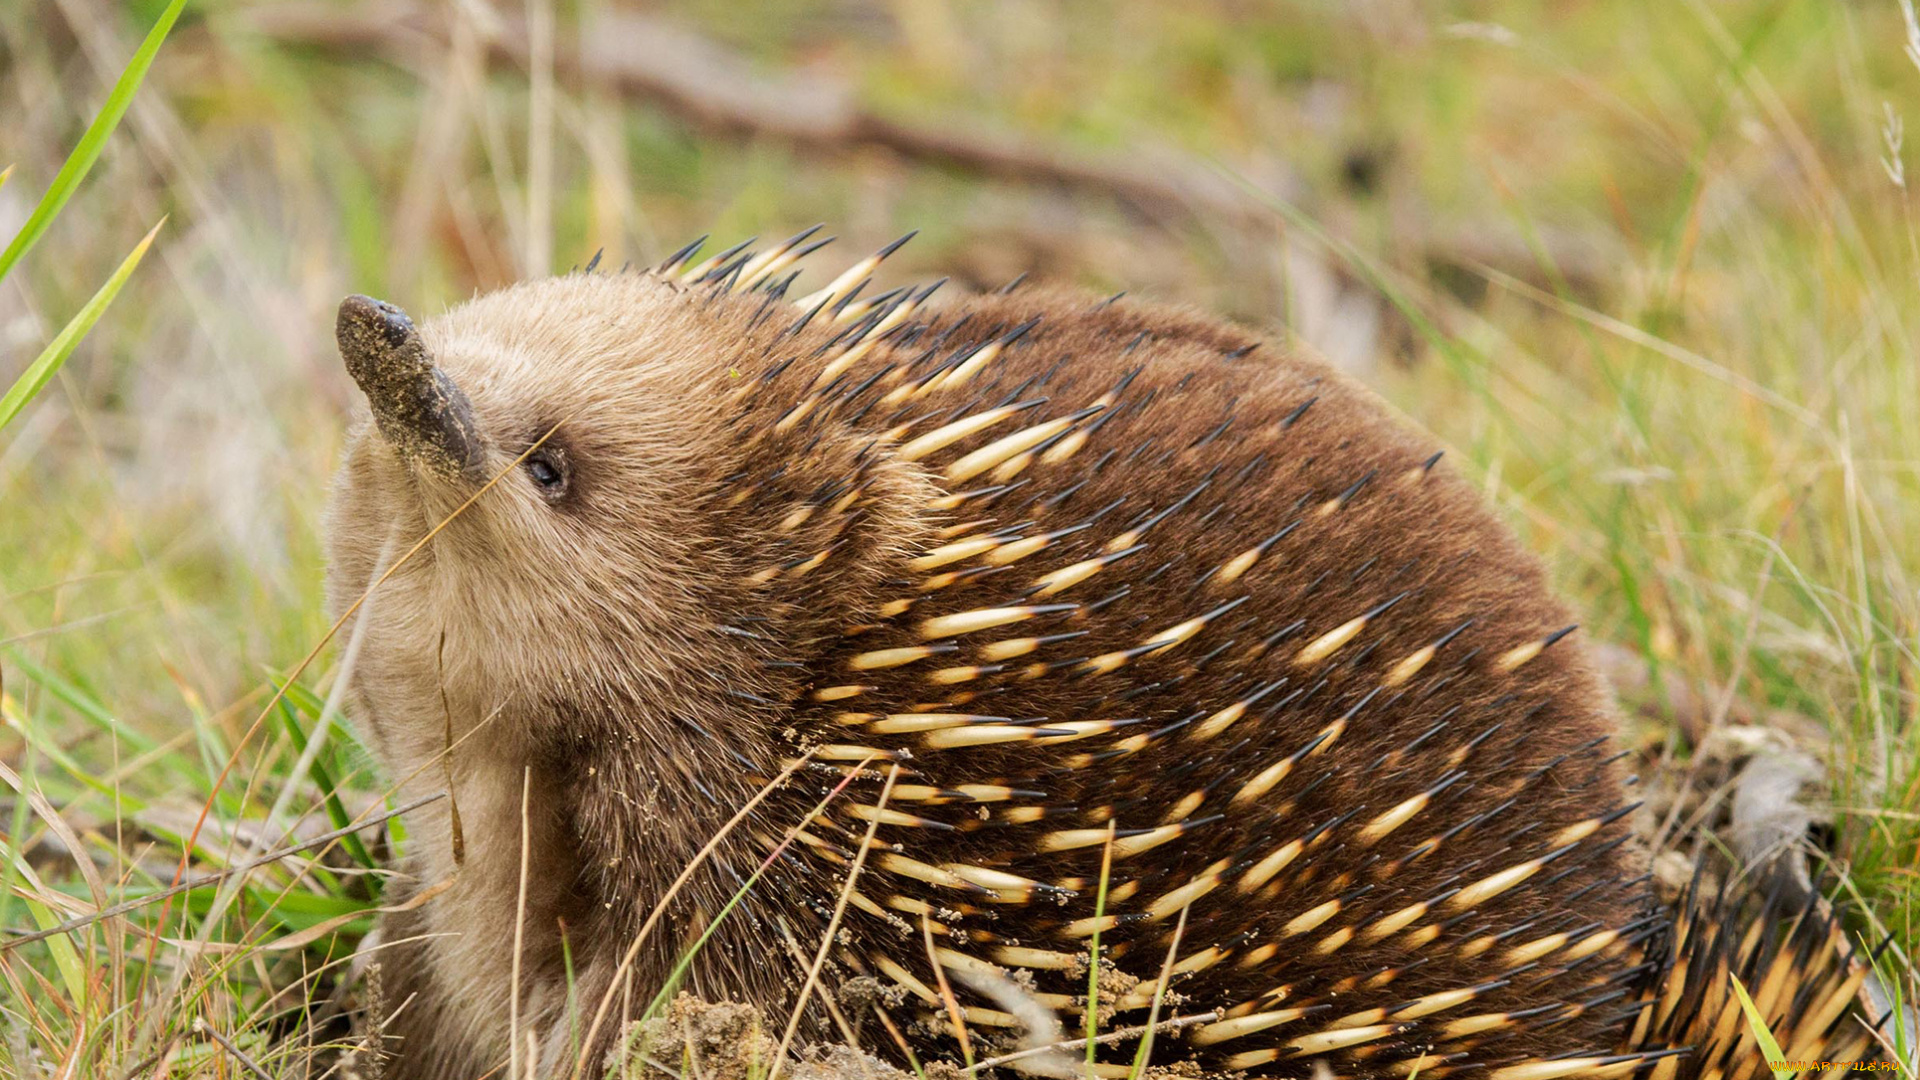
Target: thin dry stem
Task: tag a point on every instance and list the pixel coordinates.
(893, 1030)
(124, 907)
(833, 925)
(201, 1027)
(520, 922)
(456, 835)
(826, 999)
(947, 998)
(673, 890)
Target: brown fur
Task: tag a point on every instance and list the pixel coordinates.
(645, 652)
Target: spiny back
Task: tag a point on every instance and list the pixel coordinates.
(1212, 601)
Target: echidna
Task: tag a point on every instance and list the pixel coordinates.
(1078, 616)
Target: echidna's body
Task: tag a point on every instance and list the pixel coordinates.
(1081, 570)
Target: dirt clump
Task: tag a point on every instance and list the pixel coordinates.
(729, 1040)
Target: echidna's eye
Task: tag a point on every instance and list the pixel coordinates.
(549, 472)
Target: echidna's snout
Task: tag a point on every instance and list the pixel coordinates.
(419, 409)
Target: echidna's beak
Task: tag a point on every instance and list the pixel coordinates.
(420, 411)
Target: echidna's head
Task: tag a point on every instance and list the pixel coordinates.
(597, 508)
(564, 432)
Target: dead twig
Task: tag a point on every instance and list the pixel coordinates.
(1171, 1024)
(148, 1062)
(117, 910)
(826, 999)
(833, 926)
(201, 1027)
(954, 1014)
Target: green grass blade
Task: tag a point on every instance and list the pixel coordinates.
(1091, 1023)
(66, 959)
(80, 162)
(41, 370)
(322, 778)
(83, 703)
(1761, 1034)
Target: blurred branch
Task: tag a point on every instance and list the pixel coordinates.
(713, 88)
(83, 921)
(709, 86)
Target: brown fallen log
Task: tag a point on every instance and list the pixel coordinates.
(712, 88)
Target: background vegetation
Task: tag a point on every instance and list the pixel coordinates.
(1652, 270)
